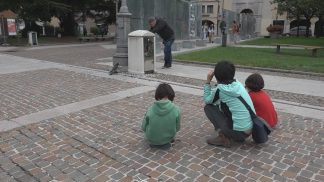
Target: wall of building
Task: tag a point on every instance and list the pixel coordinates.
(207, 14)
(175, 12)
(228, 4)
(261, 11)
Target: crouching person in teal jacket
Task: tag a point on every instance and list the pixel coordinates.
(223, 107)
(162, 119)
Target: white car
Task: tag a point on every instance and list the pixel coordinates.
(302, 31)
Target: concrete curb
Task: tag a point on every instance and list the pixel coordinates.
(8, 49)
(255, 68)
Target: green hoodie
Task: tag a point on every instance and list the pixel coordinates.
(161, 122)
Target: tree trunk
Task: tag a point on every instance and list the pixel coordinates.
(68, 24)
(319, 27)
(298, 22)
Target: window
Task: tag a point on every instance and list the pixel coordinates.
(203, 9)
(210, 9)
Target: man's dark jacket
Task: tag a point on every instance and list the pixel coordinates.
(163, 30)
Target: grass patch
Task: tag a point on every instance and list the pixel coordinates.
(287, 40)
(288, 59)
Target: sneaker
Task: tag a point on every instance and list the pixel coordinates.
(220, 140)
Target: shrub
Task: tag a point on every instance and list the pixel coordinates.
(94, 30)
(275, 28)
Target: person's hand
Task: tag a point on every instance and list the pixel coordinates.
(210, 76)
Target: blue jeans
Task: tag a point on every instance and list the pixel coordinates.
(167, 52)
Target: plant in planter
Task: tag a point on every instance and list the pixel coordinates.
(60, 30)
(94, 30)
(275, 30)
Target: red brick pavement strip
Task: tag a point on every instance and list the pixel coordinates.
(29, 92)
(105, 143)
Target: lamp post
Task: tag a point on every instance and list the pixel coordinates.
(217, 21)
(3, 31)
(123, 29)
(223, 27)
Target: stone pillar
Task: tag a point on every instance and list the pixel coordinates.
(123, 29)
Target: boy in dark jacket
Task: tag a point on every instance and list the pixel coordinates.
(162, 28)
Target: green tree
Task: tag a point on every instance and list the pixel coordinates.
(65, 10)
(299, 8)
(320, 14)
(102, 11)
(34, 10)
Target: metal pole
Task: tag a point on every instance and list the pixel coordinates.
(3, 31)
(124, 8)
(223, 14)
(217, 22)
(117, 1)
(123, 28)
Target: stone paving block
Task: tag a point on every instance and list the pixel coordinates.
(302, 179)
(192, 174)
(241, 177)
(117, 176)
(319, 177)
(182, 169)
(229, 179)
(101, 178)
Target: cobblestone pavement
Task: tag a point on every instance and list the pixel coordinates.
(28, 92)
(104, 143)
(85, 56)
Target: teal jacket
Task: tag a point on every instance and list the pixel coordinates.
(225, 96)
(161, 122)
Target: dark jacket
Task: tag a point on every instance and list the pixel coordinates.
(163, 30)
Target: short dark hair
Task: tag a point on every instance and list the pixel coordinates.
(254, 82)
(151, 19)
(224, 72)
(164, 90)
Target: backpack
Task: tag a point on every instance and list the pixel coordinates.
(261, 128)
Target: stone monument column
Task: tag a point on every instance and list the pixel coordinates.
(123, 29)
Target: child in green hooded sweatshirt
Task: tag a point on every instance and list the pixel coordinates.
(162, 119)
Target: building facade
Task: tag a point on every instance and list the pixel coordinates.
(212, 12)
(254, 16)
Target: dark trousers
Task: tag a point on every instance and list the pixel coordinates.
(220, 121)
(167, 52)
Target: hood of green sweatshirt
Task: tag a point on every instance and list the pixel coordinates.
(162, 107)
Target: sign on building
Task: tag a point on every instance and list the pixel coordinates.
(12, 30)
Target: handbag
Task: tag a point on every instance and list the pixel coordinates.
(261, 128)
